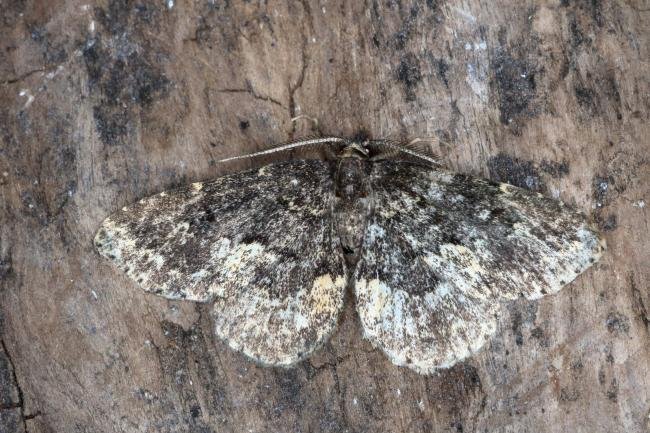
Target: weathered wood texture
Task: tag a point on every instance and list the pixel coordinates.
(104, 103)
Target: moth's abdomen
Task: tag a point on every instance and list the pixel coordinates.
(352, 206)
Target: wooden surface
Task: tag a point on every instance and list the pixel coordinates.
(104, 103)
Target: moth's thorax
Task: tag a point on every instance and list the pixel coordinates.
(352, 205)
(351, 177)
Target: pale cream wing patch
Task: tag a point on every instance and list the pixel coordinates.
(280, 332)
(426, 332)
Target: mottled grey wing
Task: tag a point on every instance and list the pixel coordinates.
(258, 243)
(443, 248)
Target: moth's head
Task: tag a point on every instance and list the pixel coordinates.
(356, 149)
(358, 146)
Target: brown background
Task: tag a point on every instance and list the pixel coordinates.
(104, 103)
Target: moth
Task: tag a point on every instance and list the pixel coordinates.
(429, 255)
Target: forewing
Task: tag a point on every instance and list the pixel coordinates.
(443, 248)
(258, 243)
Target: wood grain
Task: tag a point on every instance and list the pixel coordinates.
(102, 103)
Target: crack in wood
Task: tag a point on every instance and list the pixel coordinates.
(20, 404)
(23, 76)
(638, 307)
(249, 90)
(303, 71)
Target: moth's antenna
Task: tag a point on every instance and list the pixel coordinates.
(290, 145)
(404, 149)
